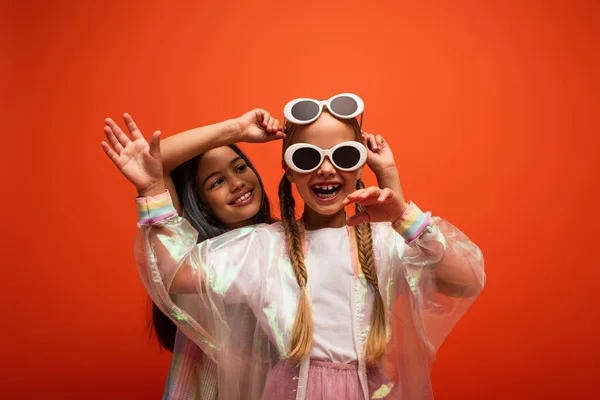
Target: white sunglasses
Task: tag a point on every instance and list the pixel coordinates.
(305, 158)
(304, 111)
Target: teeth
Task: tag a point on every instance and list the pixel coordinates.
(244, 197)
(326, 187)
(333, 190)
(326, 196)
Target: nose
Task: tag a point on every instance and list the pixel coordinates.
(326, 168)
(236, 184)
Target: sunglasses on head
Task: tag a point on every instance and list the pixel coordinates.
(346, 156)
(344, 106)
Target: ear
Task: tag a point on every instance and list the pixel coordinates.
(288, 172)
(291, 175)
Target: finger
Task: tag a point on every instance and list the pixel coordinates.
(121, 137)
(380, 141)
(372, 191)
(132, 127)
(366, 197)
(385, 194)
(110, 152)
(270, 124)
(355, 195)
(368, 201)
(358, 219)
(276, 125)
(155, 145)
(265, 117)
(110, 136)
(373, 142)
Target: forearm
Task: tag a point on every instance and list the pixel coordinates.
(184, 146)
(388, 177)
(165, 245)
(455, 262)
(456, 277)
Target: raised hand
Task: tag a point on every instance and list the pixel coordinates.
(380, 205)
(258, 126)
(138, 160)
(379, 154)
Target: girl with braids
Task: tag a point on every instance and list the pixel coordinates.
(188, 158)
(352, 308)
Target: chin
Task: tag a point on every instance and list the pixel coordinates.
(328, 209)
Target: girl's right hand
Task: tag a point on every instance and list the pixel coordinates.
(379, 205)
(138, 160)
(258, 126)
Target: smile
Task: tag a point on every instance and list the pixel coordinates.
(244, 199)
(326, 191)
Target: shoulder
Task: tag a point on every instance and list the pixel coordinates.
(253, 235)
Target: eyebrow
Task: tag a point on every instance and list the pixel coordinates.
(218, 172)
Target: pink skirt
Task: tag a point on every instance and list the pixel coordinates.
(325, 381)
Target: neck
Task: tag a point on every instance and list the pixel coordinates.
(236, 225)
(314, 220)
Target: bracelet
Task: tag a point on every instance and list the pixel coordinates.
(155, 208)
(412, 223)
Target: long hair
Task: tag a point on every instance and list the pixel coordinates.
(184, 178)
(301, 341)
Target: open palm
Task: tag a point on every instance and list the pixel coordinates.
(138, 160)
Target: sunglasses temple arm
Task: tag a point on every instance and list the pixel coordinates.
(361, 120)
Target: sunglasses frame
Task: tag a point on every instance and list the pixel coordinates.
(287, 110)
(289, 156)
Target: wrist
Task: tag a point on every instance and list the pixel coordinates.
(412, 223)
(385, 171)
(154, 209)
(232, 131)
(153, 190)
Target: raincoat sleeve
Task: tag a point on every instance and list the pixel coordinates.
(209, 290)
(441, 269)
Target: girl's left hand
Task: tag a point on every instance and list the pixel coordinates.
(379, 154)
(380, 205)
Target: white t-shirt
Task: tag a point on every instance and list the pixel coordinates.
(329, 289)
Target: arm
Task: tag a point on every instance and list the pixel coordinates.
(184, 146)
(454, 275)
(140, 162)
(454, 263)
(381, 161)
(255, 126)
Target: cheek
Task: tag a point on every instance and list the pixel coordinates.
(212, 199)
(350, 178)
(302, 181)
(250, 177)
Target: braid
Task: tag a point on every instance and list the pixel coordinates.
(377, 338)
(301, 342)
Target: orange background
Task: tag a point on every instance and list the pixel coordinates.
(491, 108)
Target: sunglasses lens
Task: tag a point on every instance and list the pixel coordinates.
(346, 157)
(306, 158)
(344, 105)
(305, 110)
